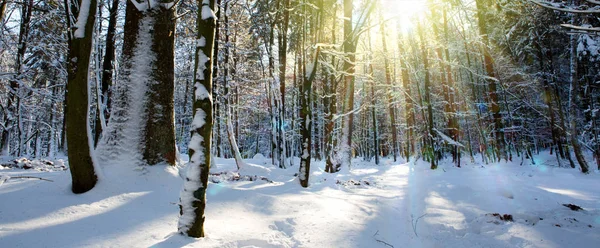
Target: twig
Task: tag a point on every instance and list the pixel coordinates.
(385, 243)
(381, 241)
(414, 223)
(30, 177)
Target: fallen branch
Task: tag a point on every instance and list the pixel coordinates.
(30, 177)
(385, 243)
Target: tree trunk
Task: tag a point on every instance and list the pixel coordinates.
(193, 196)
(491, 80)
(348, 68)
(574, 100)
(159, 133)
(283, 44)
(331, 163)
(2, 10)
(388, 80)
(431, 143)
(228, 116)
(80, 161)
(107, 70)
(142, 114)
(408, 99)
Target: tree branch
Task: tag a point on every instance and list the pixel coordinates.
(591, 29)
(547, 5)
(592, 1)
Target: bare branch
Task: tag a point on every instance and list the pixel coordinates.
(549, 6)
(30, 177)
(591, 29)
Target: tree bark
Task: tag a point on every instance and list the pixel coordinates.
(159, 133)
(193, 196)
(143, 111)
(80, 161)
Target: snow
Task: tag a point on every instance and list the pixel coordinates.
(79, 26)
(199, 119)
(191, 183)
(150, 4)
(201, 92)
(3, 178)
(201, 42)
(207, 12)
(401, 204)
(122, 140)
(202, 60)
(448, 139)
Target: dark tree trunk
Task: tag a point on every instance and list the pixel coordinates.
(107, 71)
(80, 160)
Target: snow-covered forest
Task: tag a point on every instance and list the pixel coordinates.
(299, 123)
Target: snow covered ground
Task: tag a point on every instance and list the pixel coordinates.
(390, 205)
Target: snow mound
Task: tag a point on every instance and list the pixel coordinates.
(259, 156)
(254, 169)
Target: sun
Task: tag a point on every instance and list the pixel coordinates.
(406, 11)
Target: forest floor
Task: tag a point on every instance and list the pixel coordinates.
(394, 204)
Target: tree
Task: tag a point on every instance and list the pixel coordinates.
(574, 88)
(431, 146)
(81, 164)
(141, 123)
(388, 80)
(193, 195)
(103, 111)
(491, 78)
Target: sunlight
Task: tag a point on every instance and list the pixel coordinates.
(442, 211)
(406, 11)
(572, 193)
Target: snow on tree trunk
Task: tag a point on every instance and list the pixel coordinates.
(193, 195)
(345, 149)
(306, 127)
(80, 159)
(141, 127)
(159, 135)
